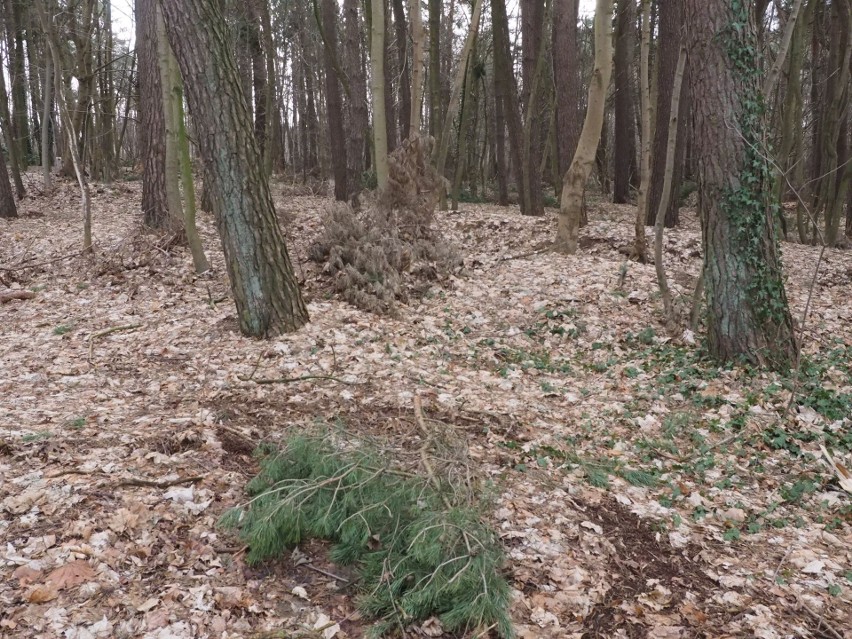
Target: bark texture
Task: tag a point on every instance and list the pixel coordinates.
(567, 80)
(265, 289)
(334, 101)
(624, 175)
(748, 316)
(671, 23)
(571, 202)
(152, 139)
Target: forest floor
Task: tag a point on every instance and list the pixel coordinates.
(641, 491)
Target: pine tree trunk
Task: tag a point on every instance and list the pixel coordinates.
(357, 108)
(571, 205)
(748, 316)
(152, 124)
(625, 123)
(334, 101)
(264, 286)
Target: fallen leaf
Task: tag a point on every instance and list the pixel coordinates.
(41, 594)
(71, 574)
(26, 575)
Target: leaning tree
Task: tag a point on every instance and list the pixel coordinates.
(265, 289)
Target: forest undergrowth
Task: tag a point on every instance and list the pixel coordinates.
(634, 485)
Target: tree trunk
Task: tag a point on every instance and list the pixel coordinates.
(15, 21)
(640, 245)
(193, 239)
(172, 165)
(334, 101)
(152, 124)
(571, 205)
(417, 42)
(670, 38)
(625, 123)
(8, 128)
(567, 81)
(45, 128)
(377, 87)
(7, 198)
(435, 103)
(500, 149)
(532, 25)
(748, 316)
(264, 286)
(404, 69)
(506, 91)
(358, 119)
(659, 223)
(442, 148)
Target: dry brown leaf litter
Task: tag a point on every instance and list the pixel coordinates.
(105, 434)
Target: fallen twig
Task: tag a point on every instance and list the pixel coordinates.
(148, 483)
(21, 267)
(289, 380)
(8, 296)
(424, 456)
(108, 331)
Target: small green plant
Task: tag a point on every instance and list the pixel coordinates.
(36, 437)
(62, 329)
(76, 424)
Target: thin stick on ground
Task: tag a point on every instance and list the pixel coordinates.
(108, 331)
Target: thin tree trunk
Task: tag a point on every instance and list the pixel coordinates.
(45, 120)
(404, 70)
(193, 239)
(358, 119)
(640, 245)
(417, 42)
(442, 148)
(532, 25)
(671, 23)
(333, 99)
(571, 206)
(506, 90)
(674, 114)
(625, 123)
(71, 134)
(435, 111)
(167, 96)
(8, 128)
(377, 87)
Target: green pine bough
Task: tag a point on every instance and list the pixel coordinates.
(416, 552)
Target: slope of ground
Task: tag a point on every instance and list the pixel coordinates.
(640, 490)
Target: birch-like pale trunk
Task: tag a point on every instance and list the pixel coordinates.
(574, 183)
